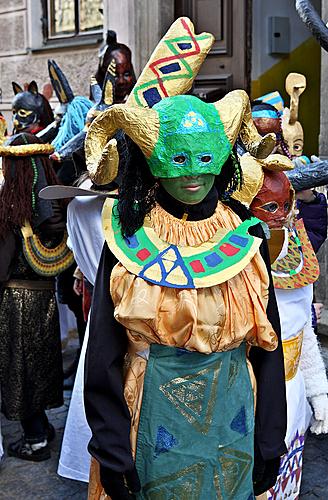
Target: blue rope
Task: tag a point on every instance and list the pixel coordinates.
(73, 121)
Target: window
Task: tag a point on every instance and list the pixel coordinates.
(71, 18)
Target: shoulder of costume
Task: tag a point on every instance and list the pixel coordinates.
(213, 262)
(299, 267)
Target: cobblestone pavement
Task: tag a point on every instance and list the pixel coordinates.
(39, 481)
(315, 477)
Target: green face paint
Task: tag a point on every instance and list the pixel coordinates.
(191, 139)
(189, 189)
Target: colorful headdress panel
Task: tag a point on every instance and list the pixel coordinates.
(273, 98)
(173, 65)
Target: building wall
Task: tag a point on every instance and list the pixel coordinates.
(138, 23)
(22, 57)
(269, 71)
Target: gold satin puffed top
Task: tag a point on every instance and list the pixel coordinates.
(206, 320)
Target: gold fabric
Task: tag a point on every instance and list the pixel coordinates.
(292, 352)
(204, 319)
(188, 233)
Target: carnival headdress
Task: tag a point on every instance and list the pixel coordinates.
(175, 125)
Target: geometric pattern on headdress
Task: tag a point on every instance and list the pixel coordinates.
(173, 65)
(273, 98)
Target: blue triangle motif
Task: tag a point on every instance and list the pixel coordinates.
(164, 441)
(178, 262)
(238, 424)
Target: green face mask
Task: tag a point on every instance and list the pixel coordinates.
(191, 139)
(189, 189)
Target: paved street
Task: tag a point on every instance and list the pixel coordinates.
(39, 481)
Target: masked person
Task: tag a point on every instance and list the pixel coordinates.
(125, 77)
(182, 289)
(270, 196)
(32, 251)
(31, 110)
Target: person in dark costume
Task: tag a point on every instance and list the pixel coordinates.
(31, 110)
(32, 251)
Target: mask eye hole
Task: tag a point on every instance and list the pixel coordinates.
(287, 206)
(271, 207)
(179, 159)
(206, 158)
(23, 113)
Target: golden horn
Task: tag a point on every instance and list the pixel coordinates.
(277, 163)
(140, 124)
(235, 113)
(253, 174)
(295, 85)
(253, 178)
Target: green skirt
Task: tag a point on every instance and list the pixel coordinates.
(196, 430)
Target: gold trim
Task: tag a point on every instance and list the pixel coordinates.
(292, 352)
(27, 150)
(31, 285)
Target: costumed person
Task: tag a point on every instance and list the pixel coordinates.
(182, 286)
(267, 119)
(71, 116)
(312, 205)
(32, 251)
(86, 241)
(74, 109)
(269, 194)
(125, 77)
(31, 110)
(84, 218)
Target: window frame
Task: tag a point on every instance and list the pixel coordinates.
(48, 38)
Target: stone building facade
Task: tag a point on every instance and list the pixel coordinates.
(24, 51)
(23, 56)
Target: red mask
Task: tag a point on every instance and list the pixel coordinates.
(124, 80)
(273, 202)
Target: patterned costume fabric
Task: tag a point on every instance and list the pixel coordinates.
(29, 381)
(299, 267)
(148, 256)
(198, 394)
(297, 300)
